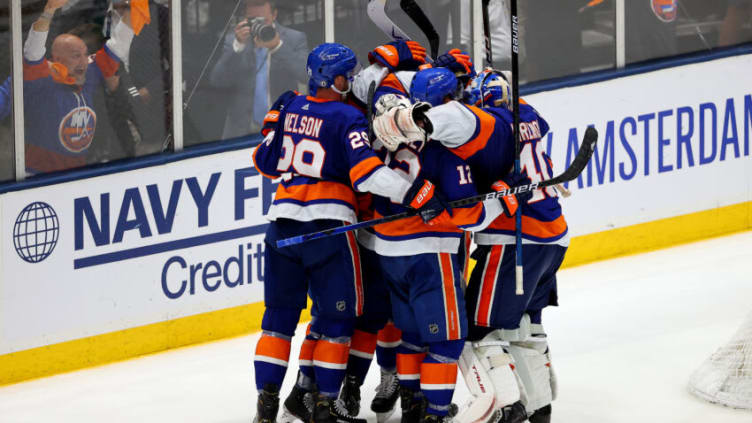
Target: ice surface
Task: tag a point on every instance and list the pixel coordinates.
(627, 336)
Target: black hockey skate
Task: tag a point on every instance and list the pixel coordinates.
(298, 406)
(329, 410)
(267, 404)
(432, 418)
(513, 413)
(349, 396)
(386, 397)
(541, 415)
(413, 405)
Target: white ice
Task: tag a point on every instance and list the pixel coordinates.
(627, 336)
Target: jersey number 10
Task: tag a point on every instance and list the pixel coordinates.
(537, 169)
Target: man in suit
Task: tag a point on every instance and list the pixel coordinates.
(258, 68)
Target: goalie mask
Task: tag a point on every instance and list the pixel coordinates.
(489, 89)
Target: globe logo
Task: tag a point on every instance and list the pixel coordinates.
(36, 232)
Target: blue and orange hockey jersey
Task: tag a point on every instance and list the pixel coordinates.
(484, 138)
(452, 177)
(60, 119)
(321, 150)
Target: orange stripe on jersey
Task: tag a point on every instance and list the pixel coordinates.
(363, 342)
(440, 374)
(32, 72)
(355, 254)
(410, 226)
(273, 347)
(488, 286)
(409, 364)
(330, 354)
(451, 307)
(389, 334)
(486, 123)
(462, 216)
(532, 226)
(318, 100)
(392, 81)
(321, 190)
(364, 168)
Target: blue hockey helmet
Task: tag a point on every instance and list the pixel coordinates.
(328, 61)
(434, 85)
(488, 88)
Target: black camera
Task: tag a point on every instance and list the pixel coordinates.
(260, 30)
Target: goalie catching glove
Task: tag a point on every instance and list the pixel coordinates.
(432, 207)
(398, 120)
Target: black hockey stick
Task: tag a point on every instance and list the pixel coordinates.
(515, 31)
(573, 171)
(416, 14)
(487, 34)
(377, 14)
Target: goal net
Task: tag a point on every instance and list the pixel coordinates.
(726, 377)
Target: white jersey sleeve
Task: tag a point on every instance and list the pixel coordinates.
(453, 124)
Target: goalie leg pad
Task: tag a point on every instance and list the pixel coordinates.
(533, 362)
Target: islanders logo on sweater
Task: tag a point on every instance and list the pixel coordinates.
(665, 10)
(77, 129)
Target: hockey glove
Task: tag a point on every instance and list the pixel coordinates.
(510, 203)
(399, 55)
(399, 125)
(428, 201)
(458, 62)
(272, 116)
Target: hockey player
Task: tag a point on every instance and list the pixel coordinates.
(505, 328)
(421, 265)
(320, 148)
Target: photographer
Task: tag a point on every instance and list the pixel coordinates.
(259, 62)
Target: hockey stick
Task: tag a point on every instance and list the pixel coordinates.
(578, 165)
(416, 14)
(487, 34)
(377, 13)
(515, 31)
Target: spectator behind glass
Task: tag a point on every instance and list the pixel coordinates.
(255, 71)
(738, 12)
(650, 29)
(58, 95)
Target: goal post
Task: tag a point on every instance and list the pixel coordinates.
(726, 376)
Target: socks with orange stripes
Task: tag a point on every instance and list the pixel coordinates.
(386, 346)
(438, 375)
(410, 355)
(306, 375)
(273, 348)
(362, 348)
(331, 352)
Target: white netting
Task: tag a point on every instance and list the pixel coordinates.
(726, 377)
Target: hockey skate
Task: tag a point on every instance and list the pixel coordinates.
(267, 405)
(329, 410)
(512, 413)
(413, 405)
(541, 415)
(386, 397)
(349, 396)
(297, 406)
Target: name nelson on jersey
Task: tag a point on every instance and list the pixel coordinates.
(303, 125)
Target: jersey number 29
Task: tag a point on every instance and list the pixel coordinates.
(306, 158)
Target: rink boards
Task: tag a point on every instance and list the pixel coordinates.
(164, 256)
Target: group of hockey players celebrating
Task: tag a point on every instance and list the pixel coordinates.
(440, 132)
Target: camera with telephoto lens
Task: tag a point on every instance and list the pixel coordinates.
(260, 29)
